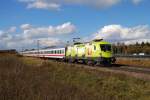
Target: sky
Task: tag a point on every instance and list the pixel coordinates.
(54, 22)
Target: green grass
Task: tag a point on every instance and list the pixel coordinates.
(34, 79)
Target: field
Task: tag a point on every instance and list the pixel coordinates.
(134, 62)
(24, 78)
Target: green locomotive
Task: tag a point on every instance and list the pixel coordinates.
(94, 52)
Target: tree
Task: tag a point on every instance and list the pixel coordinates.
(147, 44)
(142, 44)
(137, 44)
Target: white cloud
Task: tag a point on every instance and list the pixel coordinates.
(4, 35)
(40, 4)
(35, 32)
(118, 32)
(95, 3)
(29, 35)
(136, 2)
(12, 29)
(135, 41)
(51, 42)
(56, 4)
(25, 26)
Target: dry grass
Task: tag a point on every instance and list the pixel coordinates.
(34, 79)
(134, 62)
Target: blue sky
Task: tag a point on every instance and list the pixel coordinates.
(124, 19)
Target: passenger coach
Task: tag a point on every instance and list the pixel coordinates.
(46, 53)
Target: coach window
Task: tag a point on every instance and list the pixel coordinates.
(62, 51)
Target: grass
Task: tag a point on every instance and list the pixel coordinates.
(34, 79)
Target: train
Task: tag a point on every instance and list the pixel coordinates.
(92, 53)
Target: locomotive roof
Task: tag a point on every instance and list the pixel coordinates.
(76, 43)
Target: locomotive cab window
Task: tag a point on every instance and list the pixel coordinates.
(94, 47)
(105, 47)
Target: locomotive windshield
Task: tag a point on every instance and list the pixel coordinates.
(105, 47)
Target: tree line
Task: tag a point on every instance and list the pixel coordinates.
(121, 48)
